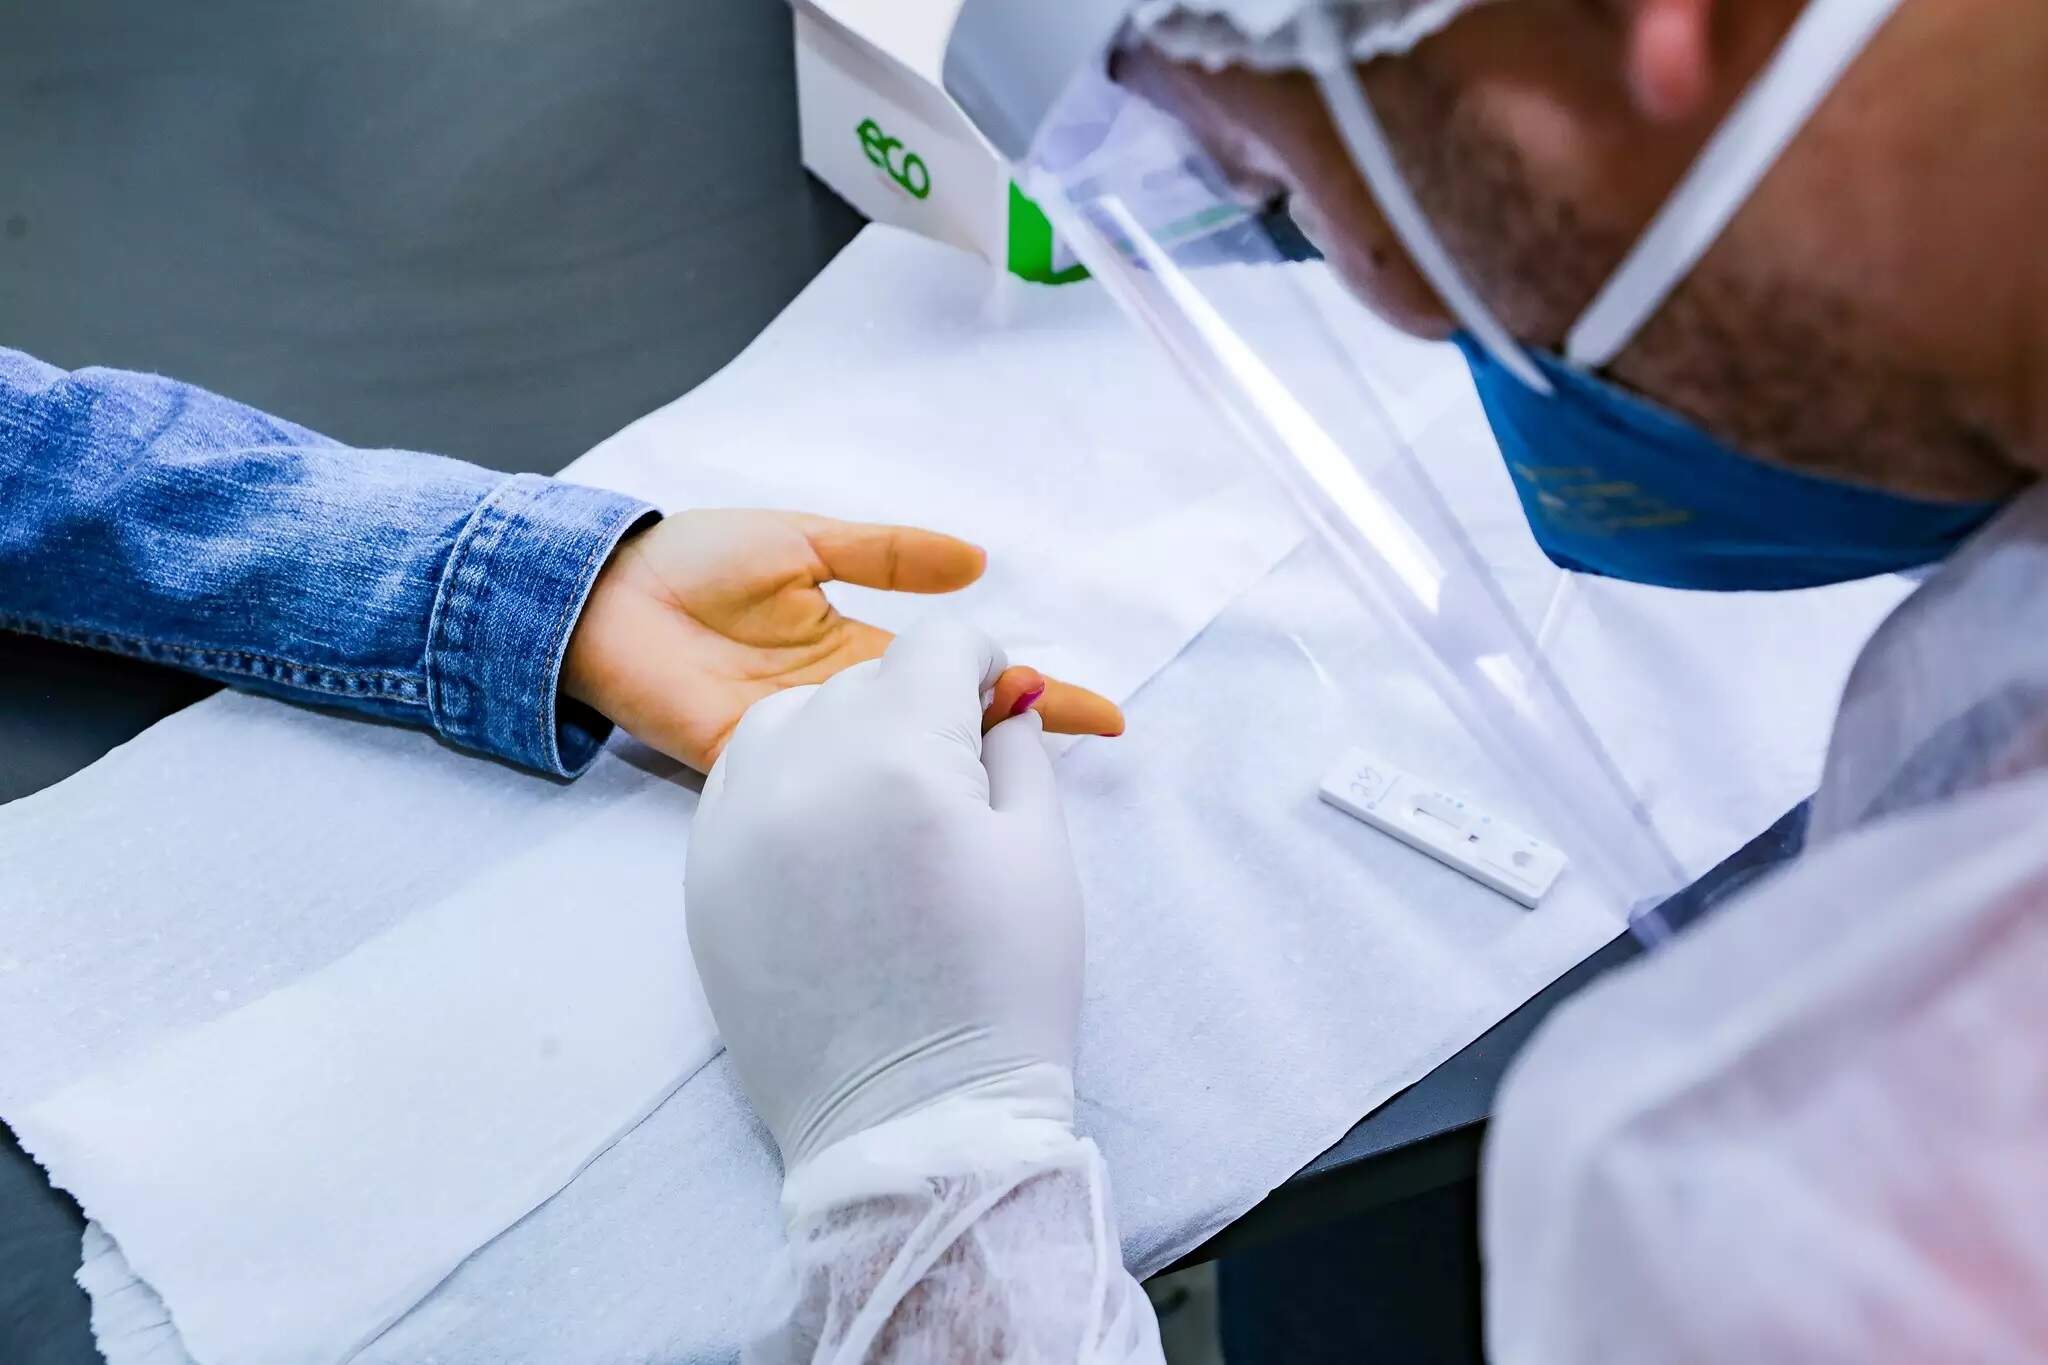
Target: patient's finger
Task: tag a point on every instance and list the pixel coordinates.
(899, 558)
(1065, 708)
(1016, 691)
(1070, 710)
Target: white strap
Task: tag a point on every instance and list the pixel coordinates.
(1344, 97)
(1826, 37)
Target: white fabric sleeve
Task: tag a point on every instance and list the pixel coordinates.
(925, 1240)
(1809, 1131)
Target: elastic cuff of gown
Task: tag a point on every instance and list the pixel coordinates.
(955, 1138)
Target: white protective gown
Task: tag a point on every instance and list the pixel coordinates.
(1816, 1127)
(1813, 1129)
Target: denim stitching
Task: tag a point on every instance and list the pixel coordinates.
(443, 608)
(473, 583)
(565, 619)
(477, 541)
(321, 678)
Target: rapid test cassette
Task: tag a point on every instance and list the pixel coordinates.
(1445, 826)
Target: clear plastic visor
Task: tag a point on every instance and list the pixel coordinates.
(1380, 445)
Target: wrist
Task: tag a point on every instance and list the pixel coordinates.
(970, 1133)
(590, 659)
(1000, 1088)
(514, 582)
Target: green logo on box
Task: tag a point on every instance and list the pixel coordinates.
(907, 169)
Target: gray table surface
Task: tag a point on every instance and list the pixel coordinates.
(497, 231)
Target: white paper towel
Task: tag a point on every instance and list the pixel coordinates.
(267, 1158)
(1262, 969)
(269, 1106)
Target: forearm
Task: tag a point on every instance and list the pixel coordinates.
(1015, 1261)
(143, 515)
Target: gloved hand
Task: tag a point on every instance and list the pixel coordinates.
(883, 907)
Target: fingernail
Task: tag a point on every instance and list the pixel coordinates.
(1028, 700)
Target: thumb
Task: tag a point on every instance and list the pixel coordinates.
(754, 740)
(1019, 769)
(938, 670)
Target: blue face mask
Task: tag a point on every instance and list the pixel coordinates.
(1614, 485)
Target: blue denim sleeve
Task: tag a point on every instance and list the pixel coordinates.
(147, 516)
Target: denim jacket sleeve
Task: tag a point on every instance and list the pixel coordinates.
(147, 516)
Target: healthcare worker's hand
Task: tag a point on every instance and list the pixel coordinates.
(883, 907)
(706, 612)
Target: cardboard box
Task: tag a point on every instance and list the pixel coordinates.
(878, 127)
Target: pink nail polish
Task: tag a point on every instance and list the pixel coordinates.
(1028, 700)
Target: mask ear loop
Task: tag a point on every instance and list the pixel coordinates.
(1824, 40)
(1344, 96)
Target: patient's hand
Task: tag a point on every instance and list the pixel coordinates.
(701, 615)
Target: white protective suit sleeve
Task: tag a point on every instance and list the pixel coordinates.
(892, 1260)
(887, 922)
(1812, 1129)
(1809, 1131)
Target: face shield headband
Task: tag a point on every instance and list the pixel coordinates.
(1827, 37)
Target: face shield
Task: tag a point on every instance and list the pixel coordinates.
(1393, 471)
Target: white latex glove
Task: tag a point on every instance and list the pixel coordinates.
(885, 915)
(882, 903)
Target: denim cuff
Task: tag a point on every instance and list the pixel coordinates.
(510, 594)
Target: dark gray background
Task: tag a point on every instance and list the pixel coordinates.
(500, 230)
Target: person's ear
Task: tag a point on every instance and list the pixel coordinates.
(1670, 56)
